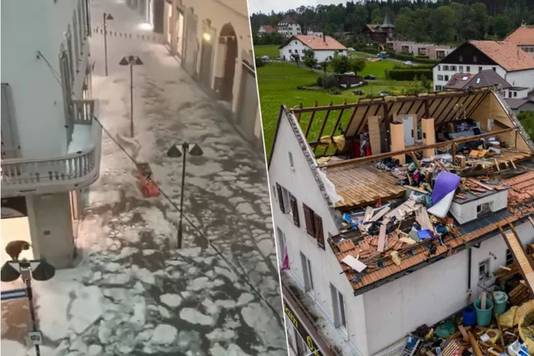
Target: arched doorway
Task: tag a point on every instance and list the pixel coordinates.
(227, 54)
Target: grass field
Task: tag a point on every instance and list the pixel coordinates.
(278, 84)
(266, 50)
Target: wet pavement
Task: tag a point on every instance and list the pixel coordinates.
(132, 292)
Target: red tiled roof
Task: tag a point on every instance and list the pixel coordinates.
(320, 43)
(522, 36)
(505, 54)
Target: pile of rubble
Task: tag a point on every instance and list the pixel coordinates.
(500, 322)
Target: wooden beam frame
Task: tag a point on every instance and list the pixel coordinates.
(381, 156)
(310, 122)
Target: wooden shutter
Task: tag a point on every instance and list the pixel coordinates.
(280, 198)
(308, 218)
(294, 210)
(318, 222)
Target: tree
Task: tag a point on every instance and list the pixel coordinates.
(340, 64)
(309, 58)
(357, 65)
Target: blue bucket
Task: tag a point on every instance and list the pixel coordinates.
(470, 316)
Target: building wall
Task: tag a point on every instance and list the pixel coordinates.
(294, 46)
(432, 293)
(300, 182)
(298, 47)
(37, 95)
(439, 70)
(524, 78)
(467, 212)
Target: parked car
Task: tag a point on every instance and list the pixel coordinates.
(384, 93)
(408, 63)
(369, 77)
(382, 55)
(265, 59)
(358, 92)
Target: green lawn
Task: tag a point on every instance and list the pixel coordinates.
(278, 84)
(266, 50)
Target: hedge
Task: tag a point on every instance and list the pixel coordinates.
(409, 73)
(409, 57)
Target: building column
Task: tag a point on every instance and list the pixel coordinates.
(429, 136)
(397, 140)
(50, 220)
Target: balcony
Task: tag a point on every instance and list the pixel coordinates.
(77, 168)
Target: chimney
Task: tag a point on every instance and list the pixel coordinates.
(429, 136)
(324, 37)
(396, 130)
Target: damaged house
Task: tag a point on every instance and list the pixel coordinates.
(396, 212)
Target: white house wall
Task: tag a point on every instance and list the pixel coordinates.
(295, 46)
(37, 96)
(467, 212)
(524, 78)
(301, 183)
(431, 293)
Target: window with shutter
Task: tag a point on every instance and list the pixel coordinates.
(294, 210)
(319, 235)
(280, 198)
(308, 218)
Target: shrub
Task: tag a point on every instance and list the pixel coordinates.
(327, 82)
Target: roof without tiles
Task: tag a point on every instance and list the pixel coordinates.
(522, 36)
(320, 42)
(505, 54)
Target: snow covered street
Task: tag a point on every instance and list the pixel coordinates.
(132, 293)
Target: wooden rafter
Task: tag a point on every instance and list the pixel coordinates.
(381, 156)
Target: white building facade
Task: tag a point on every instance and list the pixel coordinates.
(50, 140)
(324, 48)
(212, 40)
(374, 320)
(513, 65)
(289, 28)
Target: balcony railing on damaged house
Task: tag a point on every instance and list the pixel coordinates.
(71, 171)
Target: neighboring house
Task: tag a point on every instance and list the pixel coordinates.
(289, 27)
(381, 33)
(509, 62)
(428, 50)
(523, 37)
(324, 48)
(519, 105)
(368, 307)
(51, 142)
(266, 29)
(211, 39)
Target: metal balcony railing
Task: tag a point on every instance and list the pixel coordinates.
(49, 175)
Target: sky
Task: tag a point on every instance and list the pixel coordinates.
(266, 6)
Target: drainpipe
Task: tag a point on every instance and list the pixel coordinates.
(469, 263)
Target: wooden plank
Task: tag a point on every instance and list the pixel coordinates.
(515, 246)
(382, 237)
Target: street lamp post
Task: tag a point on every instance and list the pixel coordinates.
(131, 61)
(40, 270)
(175, 152)
(106, 17)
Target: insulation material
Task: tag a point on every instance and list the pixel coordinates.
(374, 134)
(429, 136)
(354, 263)
(397, 140)
(330, 189)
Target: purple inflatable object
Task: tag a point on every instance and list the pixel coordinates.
(446, 182)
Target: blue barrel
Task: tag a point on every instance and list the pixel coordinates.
(470, 316)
